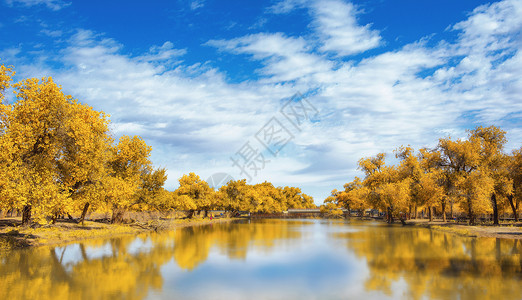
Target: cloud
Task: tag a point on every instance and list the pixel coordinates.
(163, 53)
(336, 25)
(285, 6)
(51, 4)
(285, 58)
(196, 4)
(260, 23)
(52, 33)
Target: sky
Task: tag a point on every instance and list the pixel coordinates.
(294, 92)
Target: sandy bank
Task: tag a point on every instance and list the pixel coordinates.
(505, 231)
(13, 236)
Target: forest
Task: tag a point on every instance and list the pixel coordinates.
(467, 178)
(59, 159)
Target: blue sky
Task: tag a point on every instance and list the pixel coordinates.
(204, 81)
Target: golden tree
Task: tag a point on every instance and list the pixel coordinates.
(515, 174)
(387, 191)
(53, 148)
(233, 196)
(422, 173)
(461, 159)
(85, 153)
(353, 197)
(6, 166)
(295, 198)
(193, 189)
(130, 158)
(495, 163)
(151, 194)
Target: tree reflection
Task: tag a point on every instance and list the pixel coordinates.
(124, 270)
(41, 274)
(192, 245)
(438, 265)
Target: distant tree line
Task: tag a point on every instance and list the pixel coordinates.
(472, 176)
(58, 158)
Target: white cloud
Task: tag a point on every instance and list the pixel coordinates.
(285, 6)
(196, 4)
(262, 45)
(336, 25)
(52, 33)
(163, 53)
(51, 4)
(286, 58)
(494, 26)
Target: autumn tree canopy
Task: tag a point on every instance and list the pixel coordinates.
(473, 176)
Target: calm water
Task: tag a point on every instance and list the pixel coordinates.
(271, 259)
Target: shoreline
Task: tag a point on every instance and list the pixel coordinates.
(503, 231)
(511, 231)
(64, 232)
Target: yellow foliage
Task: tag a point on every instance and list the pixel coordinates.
(472, 172)
(57, 155)
(193, 194)
(6, 76)
(262, 197)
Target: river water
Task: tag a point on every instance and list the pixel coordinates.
(271, 259)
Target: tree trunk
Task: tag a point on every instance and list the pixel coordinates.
(513, 208)
(415, 211)
(444, 211)
(117, 216)
(26, 215)
(402, 220)
(54, 218)
(84, 212)
(495, 208)
(471, 213)
(430, 214)
(390, 215)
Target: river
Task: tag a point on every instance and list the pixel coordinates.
(271, 259)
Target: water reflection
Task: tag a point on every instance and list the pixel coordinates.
(436, 264)
(277, 259)
(192, 245)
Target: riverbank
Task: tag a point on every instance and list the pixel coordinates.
(504, 231)
(64, 231)
(14, 236)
